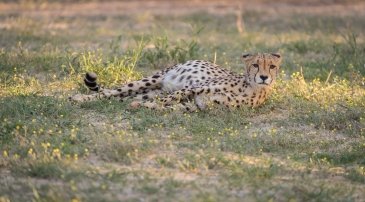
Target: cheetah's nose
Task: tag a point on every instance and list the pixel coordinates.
(263, 77)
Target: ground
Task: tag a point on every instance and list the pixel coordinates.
(306, 143)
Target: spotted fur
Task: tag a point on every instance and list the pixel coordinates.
(200, 82)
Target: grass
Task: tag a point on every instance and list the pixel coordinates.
(307, 142)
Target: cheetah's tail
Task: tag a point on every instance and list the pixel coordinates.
(90, 81)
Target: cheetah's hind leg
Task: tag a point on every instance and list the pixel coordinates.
(105, 93)
(165, 102)
(184, 106)
(148, 99)
(150, 95)
(160, 101)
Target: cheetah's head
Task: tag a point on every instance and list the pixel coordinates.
(262, 68)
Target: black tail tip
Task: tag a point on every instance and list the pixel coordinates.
(90, 84)
(91, 76)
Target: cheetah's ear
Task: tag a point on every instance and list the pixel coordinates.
(277, 57)
(246, 57)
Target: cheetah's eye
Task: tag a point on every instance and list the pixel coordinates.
(255, 65)
(272, 66)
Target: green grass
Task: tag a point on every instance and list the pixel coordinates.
(306, 143)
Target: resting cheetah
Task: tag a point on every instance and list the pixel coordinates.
(199, 81)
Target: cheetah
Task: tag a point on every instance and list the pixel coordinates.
(196, 84)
